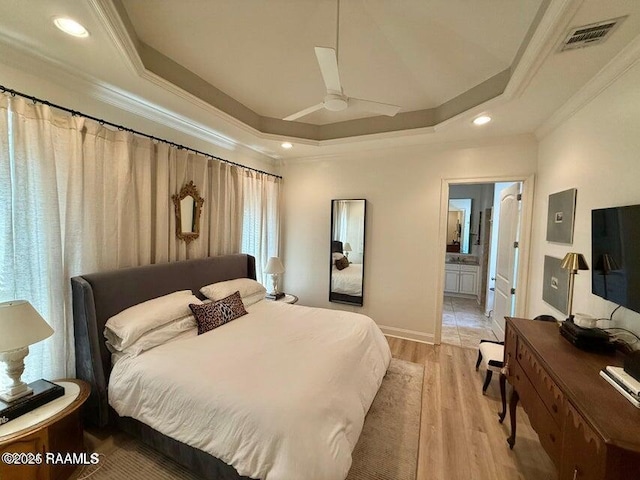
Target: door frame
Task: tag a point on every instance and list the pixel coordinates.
(526, 222)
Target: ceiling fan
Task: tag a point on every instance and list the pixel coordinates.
(335, 100)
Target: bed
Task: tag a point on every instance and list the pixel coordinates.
(348, 280)
(301, 376)
(346, 283)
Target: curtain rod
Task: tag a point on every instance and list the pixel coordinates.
(101, 121)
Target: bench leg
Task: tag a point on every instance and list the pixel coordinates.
(479, 360)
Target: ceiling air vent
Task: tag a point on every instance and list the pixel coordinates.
(590, 34)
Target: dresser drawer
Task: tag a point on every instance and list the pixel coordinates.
(546, 388)
(584, 450)
(548, 431)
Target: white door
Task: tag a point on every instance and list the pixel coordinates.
(507, 258)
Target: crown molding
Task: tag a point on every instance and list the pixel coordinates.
(28, 60)
(109, 18)
(626, 59)
(435, 146)
(555, 21)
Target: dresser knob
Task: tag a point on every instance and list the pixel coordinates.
(554, 407)
(553, 437)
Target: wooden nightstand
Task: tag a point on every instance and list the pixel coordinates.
(288, 298)
(52, 428)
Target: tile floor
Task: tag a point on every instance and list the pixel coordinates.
(464, 323)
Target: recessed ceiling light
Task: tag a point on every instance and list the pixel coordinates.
(70, 27)
(482, 120)
(286, 145)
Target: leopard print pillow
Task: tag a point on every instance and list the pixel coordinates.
(213, 315)
(342, 263)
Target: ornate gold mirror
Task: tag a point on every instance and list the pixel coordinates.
(188, 206)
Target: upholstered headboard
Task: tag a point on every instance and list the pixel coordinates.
(99, 296)
(336, 246)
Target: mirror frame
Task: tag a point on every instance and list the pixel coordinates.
(343, 297)
(468, 234)
(188, 190)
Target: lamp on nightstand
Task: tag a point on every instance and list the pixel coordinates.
(20, 326)
(274, 268)
(347, 249)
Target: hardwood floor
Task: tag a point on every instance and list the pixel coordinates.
(460, 437)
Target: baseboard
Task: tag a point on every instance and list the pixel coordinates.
(412, 335)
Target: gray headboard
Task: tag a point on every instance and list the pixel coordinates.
(99, 296)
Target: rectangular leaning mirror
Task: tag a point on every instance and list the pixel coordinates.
(347, 251)
(459, 225)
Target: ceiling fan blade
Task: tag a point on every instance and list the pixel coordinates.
(374, 107)
(304, 112)
(328, 62)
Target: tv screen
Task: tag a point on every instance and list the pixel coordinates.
(615, 260)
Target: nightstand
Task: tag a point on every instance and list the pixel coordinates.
(55, 427)
(288, 298)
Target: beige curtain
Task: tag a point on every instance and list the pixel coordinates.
(77, 197)
(261, 222)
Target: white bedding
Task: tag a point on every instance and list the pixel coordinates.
(280, 393)
(347, 280)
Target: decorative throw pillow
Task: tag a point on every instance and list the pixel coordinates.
(246, 287)
(212, 315)
(342, 263)
(336, 256)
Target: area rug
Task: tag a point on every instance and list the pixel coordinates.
(387, 448)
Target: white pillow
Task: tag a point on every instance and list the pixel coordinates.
(253, 299)
(246, 286)
(336, 256)
(158, 336)
(123, 329)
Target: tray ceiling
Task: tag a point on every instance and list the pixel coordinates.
(255, 60)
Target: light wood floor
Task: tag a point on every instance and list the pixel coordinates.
(460, 437)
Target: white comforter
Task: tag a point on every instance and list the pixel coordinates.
(280, 393)
(347, 280)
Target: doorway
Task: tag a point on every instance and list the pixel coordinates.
(471, 256)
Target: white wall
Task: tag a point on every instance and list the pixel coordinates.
(403, 192)
(596, 151)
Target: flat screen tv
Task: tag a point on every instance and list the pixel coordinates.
(615, 241)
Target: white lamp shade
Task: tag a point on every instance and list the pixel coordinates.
(347, 247)
(274, 266)
(21, 325)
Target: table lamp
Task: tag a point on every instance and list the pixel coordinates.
(274, 268)
(20, 326)
(347, 249)
(573, 262)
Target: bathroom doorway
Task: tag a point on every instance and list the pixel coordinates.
(470, 263)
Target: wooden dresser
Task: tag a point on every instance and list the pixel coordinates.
(590, 431)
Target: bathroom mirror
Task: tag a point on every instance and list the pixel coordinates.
(459, 225)
(188, 207)
(347, 251)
